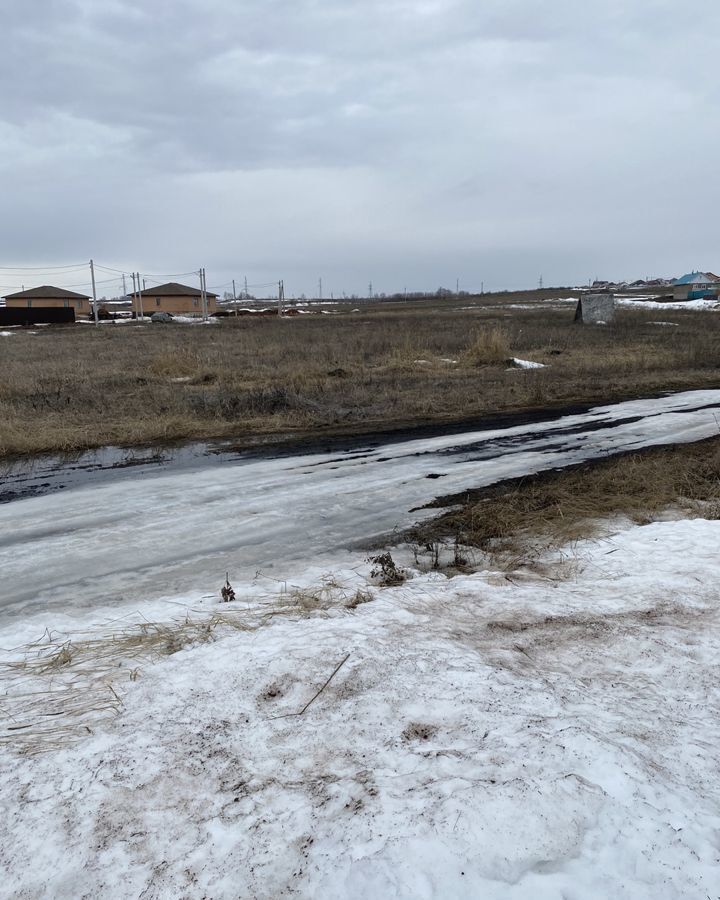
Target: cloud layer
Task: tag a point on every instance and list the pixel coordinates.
(407, 142)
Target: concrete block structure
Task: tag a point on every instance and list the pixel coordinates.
(595, 309)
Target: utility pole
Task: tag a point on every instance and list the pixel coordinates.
(135, 301)
(320, 289)
(140, 296)
(246, 290)
(234, 297)
(457, 287)
(92, 278)
(203, 294)
(540, 283)
(281, 297)
(124, 287)
(482, 287)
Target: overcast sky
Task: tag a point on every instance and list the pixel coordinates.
(407, 142)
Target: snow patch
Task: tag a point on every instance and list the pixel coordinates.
(526, 364)
(703, 304)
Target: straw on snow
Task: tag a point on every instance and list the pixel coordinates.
(57, 690)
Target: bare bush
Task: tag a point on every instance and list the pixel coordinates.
(386, 570)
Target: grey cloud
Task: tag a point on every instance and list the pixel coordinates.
(417, 139)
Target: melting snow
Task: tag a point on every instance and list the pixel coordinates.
(145, 532)
(703, 304)
(549, 736)
(526, 364)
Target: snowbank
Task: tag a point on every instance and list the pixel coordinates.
(194, 320)
(489, 735)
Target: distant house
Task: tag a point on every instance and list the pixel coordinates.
(49, 297)
(178, 299)
(695, 285)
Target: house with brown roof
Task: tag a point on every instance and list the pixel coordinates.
(178, 299)
(48, 296)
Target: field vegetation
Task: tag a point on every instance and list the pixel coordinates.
(383, 367)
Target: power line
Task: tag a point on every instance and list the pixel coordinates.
(152, 275)
(41, 268)
(18, 287)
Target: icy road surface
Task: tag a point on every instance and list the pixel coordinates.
(151, 535)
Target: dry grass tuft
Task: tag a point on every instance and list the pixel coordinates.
(329, 594)
(488, 347)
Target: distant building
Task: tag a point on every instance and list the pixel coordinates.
(696, 285)
(178, 299)
(50, 297)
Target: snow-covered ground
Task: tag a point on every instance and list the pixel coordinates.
(706, 303)
(549, 733)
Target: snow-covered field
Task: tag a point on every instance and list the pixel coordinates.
(554, 733)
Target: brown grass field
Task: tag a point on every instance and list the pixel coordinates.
(387, 366)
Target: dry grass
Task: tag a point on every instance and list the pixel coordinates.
(72, 388)
(488, 347)
(562, 506)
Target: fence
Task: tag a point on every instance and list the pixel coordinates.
(36, 315)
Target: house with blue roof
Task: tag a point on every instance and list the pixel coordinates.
(696, 285)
